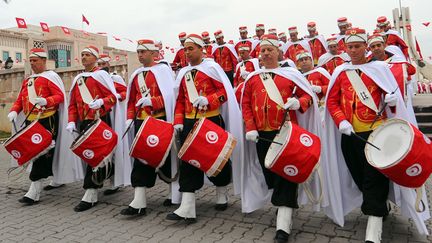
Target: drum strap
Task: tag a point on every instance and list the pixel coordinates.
(84, 92)
(31, 89)
(142, 84)
(419, 194)
(361, 90)
(190, 87)
(308, 191)
(176, 145)
(271, 89)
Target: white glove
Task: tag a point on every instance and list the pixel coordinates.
(40, 101)
(12, 115)
(118, 96)
(178, 128)
(200, 102)
(252, 136)
(391, 99)
(96, 104)
(346, 128)
(292, 104)
(317, 89)
(244, 74)
(70, 127)
(145, 101)
(128, 122)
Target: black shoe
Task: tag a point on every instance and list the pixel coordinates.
(49, 187)
(368, 241)
(130, 211)
(83, 206)
(281, 236)
(108, 192)
(27, 201)
(167, 202)
(175, 217)
(221, 207)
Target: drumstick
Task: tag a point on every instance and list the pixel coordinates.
(286, 111)
(31, 110)
(382, 110)
(268, 140)
(364, 140)
(14, 125)
(196, 109)
(145, 94)
(90, 108)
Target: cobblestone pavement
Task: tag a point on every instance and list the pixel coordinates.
(53, 219)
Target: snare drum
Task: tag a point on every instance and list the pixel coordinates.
(207, 147)
(30, 143)
(95, 144)
(297, 157)
(153, 142)
(405, 153)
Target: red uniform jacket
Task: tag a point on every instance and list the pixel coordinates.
(291, 53)
(79, 110)
(331, 65)
(180, 58)
(157, 109)
(317, 49)
(45, 89)
(395, 40)
(209, 50)
(249, 67)
(260, 112)
(398, 72)
(212, 89)
(343, 103)
(316, 78)
(121, 89)
(256, 52)
(225, 58)
(341, 45)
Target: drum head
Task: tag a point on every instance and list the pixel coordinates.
(276, 149)
(394, 138)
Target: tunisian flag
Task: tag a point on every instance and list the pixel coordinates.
(85, 20)
(21, 23)
(44, 27)
(66, 30)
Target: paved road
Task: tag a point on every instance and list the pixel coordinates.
(53, 219)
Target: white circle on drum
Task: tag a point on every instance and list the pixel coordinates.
(152, 140)
(427, 140)
(290, 170)
(36, 138)
(16, 154)
(195, 163)
(107, 134)
(212, 137)
(88, 154)
(306, 140)
(414, 170)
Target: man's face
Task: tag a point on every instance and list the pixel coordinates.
(356, 50)
(243, 35)
(293, 36)
(38, 64)
(377, 48)
(283, 39)
(259, 33)
(220, 40)
(311, 32)
(385, 28)
(269, 55)
(342, 29)
(88, 59)
(103, 65)
(145, 57)
(244, 55)
(333, 49)
(305, 64)
(193, 52)
(207, 40)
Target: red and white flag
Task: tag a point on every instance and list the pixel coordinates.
(426, 24)
(418, 48)
(21, 23)
(117, 58)
(66, 30)
(101, 33)
(44, 27)
(85, 20)
(85, 32)
(131, 41)
(116, 38)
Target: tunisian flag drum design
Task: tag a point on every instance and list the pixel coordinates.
(298, 155)
(29, 143)
(405, 153)
(95, 144)
(207, 147)
(153, 142)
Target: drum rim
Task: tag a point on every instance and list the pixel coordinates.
(214, 170)
(282, 148)
(79, 139)
(191, 136)
(20, 132)
(135, 141)
(370, 148)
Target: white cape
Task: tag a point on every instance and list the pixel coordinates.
(345, 194)
(229, 46)
(230, 112)
(254, 61)
(304, 43)
(328, 56)
(165, 80)
(121, 154)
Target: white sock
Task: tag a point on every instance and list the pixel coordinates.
(139, 200)
(187, 206)
(374, 229)
(34, 190)
(169, 192)
(90, 196)
(221, 195)
(284, 219)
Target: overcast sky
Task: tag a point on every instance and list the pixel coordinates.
(164, 19)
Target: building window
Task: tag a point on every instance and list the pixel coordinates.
(38, 44)
(61, 57)
(18, 57)
(5, 55)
